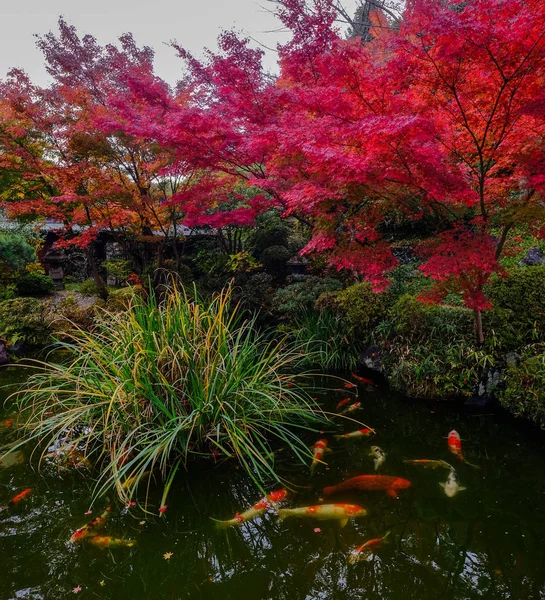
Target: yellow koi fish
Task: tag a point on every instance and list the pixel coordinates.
(325, 512)
(105, 541)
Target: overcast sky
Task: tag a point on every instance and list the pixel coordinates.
(195, 24)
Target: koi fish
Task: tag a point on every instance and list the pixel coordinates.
(365, 549)
(105, 541)
(319, 449)
(8, 423)
(379, 456)
(452, 485)
(20, 496)
(351, 408)
(455, 446)
(343, 403)
(137, 478)
(428, 464)
(370, 483)
(325, 512)
(363, 379)
(257, 509)
(355, 434)
(90, 528)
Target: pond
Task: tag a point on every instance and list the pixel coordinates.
(485, 542)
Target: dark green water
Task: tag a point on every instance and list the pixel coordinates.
(486, 542)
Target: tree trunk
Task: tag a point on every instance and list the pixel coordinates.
(102, 289)
(478, 323)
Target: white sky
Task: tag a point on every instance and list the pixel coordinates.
(194, 24)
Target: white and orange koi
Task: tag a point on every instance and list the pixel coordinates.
(257, 509)
(318, 451)
(355, 434)
(455, 446)
(352, 408)
(325, 512)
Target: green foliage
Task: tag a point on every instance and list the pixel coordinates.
(326, 346)
(24, 319)
(524, 391)
(34, 285)
(118, 268)
(155, 387)
(300, 296)
(406, 279)
(429, 351)
(518, 314)
(270, 230)
(15, 254)
(88, 288)
(359, 308)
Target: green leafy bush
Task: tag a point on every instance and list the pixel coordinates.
(24, 319)
(15, 253)
(274, 260)
(118, 268)
(524, 391)
(34, 285)
(518, 314)
(429, 351)
(300, 296)
(88, 288)
(156, 386)
(359, 308)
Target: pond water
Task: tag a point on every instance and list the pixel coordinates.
(486, 542)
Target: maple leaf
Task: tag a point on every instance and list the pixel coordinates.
(102, 583)
(163, 509)
(77, 589)
(167, 555)
(88, 512)
(317, 530)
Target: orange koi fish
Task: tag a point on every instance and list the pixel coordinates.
(90, 528)
(257, 509)
(363, 379)
(319, 449)
(105, 541)
(355, 434)
(325, 512)
(371, 483)
(343, 403)
(455, 446)
(351, 408)
(20, 496)
(365, 549)
(428, 464)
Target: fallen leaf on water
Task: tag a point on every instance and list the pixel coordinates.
(102, 583)
(163, 509)
(142, 523)
(77, 589)
(131, 504)
(88, 512)
(167, 555)
(317, 530)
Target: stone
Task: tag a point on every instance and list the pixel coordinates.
(370, 358)
(4, 357)
(533, 257)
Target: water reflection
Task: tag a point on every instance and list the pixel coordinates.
(487, 542)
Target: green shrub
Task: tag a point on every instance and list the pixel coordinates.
(300, 296)
(24, 319)
(34, 285)
(359, 308)
(15, 254)
(158, 385)
(88, 288)
(524, 392)
(429, 351)
(118, 268)
(518, 313)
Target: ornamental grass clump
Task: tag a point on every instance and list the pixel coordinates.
(162, 384)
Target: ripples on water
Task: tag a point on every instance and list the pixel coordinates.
(487, 542)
